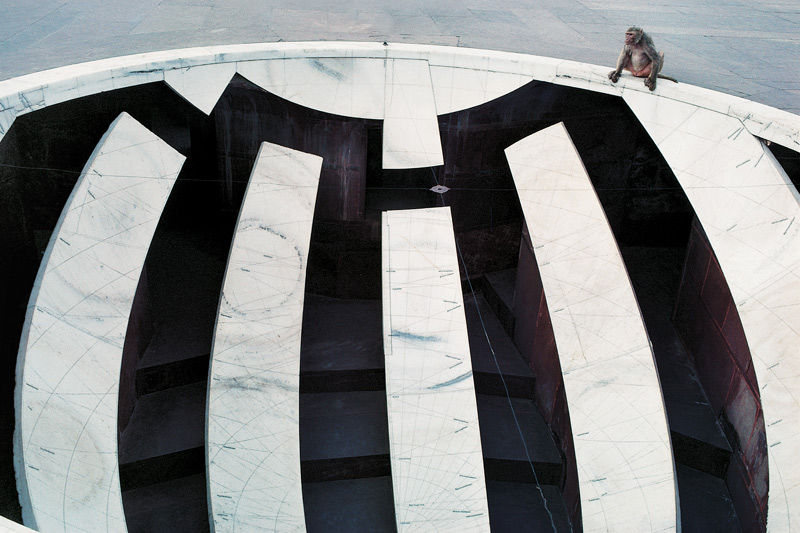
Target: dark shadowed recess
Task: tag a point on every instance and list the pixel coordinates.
(343, 423)
(789, 160)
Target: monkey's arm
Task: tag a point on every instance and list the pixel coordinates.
(621, 60)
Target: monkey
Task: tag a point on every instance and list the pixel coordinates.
(640, 57)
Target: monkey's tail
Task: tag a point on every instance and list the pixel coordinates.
(670, 78)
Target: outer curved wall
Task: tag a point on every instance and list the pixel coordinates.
(460, 78)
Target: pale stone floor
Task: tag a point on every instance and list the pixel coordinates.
(748, 49)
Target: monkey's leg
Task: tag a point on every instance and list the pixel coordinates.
(661, 66)
(654, 74)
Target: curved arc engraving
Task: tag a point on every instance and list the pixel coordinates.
(252, 426)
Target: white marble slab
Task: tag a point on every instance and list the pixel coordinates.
(9, 526)
(434, 438)
(410, 125)
(622, 443)
(202, 85)
(768, 123)
(7, 117)
(69, 360)
(253, 439)
(346, 86)
(337, 76)
(751, 213)
(457, 88)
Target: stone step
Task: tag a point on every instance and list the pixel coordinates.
(362, 379)
(498, 291)
(343, 424)
(340, 468)
(165, 422)
(504, 450)
(364, 504)
(178, 505)
(150, 379)
(168, 467)
(520, 508)
(705, 502)
(699, 455)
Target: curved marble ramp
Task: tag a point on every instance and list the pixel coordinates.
(434, 438)
(622, 442)
(253, 438)
(751, 213)
(69, 360)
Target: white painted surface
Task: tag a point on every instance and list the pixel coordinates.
(622, 445)
(410, 127)
(751, 213)
(253, 439)
(68, 366)
(202, 85)
(434, 438)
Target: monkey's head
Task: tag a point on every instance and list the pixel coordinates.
(633, 35)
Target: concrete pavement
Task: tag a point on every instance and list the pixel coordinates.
(742, 48)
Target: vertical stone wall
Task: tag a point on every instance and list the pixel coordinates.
(708, 323)
(246, 116)
(137, 338)
(345, 242)
(533, 336)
